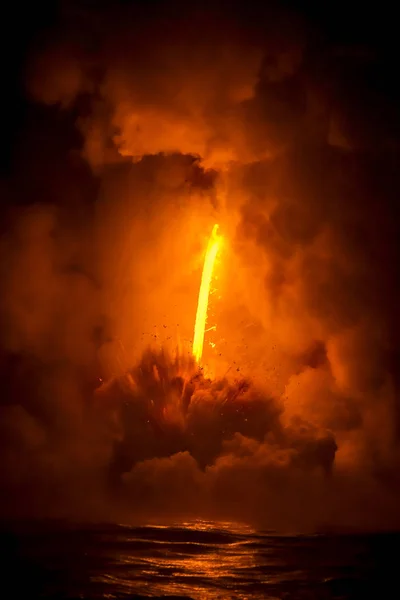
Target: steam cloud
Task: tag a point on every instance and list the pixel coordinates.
(143, 133)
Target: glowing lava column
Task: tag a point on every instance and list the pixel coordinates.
(202, 305)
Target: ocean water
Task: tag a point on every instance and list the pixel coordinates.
(198, 560)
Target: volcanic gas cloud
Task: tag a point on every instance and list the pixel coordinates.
(144, 377)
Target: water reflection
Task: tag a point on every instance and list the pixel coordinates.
(198, 560)
(193, 559)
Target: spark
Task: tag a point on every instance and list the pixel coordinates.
(202, 305)
(212, 328)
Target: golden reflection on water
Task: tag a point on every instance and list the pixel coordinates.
(186, 562)
(228, 526)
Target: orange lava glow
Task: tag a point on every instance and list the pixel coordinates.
(202, 305)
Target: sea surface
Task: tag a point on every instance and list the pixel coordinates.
(198, 560)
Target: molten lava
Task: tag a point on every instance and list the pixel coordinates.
(202, 305)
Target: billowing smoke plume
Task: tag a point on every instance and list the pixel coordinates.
(142, 133)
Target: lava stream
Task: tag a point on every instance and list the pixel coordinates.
(202, 305)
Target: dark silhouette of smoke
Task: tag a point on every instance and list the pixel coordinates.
(178, 412)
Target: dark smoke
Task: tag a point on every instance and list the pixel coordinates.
(176, 413)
